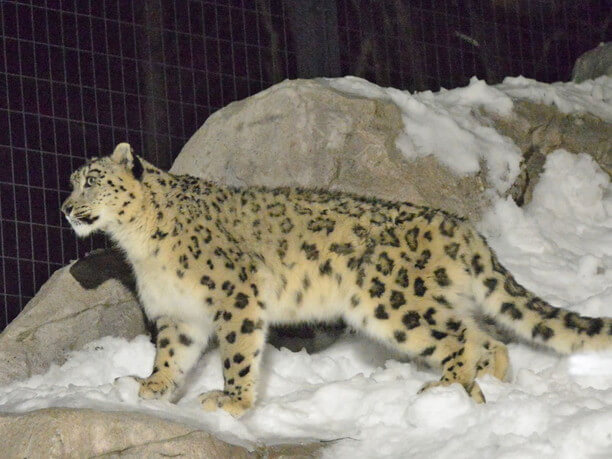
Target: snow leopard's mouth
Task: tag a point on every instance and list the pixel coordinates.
(82, 219)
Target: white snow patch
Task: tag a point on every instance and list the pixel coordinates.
(560, 244)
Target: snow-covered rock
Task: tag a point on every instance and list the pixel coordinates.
(454, 150)
(539, 129)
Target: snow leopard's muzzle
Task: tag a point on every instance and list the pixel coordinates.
(78, 217)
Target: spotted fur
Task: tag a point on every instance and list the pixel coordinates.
(210, 259)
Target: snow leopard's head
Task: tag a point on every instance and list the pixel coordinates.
(104, 191)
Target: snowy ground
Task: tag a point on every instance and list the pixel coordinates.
(560, 246)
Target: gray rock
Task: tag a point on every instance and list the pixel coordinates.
(304, 133)
(62, 317)
(593, 63)
(67, 433)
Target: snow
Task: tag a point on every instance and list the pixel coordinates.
(565, 234)
(559, 246)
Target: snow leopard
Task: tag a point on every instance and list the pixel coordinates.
(215, 260)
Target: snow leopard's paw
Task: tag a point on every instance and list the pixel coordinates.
(473, 389)
(158, 386)
(216, 399)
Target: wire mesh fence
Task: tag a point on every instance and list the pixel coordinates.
(79, 76)
(428, 44)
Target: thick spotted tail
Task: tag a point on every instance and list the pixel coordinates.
(530, 318)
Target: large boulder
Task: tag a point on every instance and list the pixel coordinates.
(65, 432)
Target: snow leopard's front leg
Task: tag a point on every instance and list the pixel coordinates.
(178, 348)
(241, 331)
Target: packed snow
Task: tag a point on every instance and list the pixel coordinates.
(362, 395)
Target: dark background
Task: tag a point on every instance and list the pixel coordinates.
(79, 76)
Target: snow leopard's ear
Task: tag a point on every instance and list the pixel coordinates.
(124, 154)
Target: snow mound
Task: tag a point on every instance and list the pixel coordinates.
(560, 244)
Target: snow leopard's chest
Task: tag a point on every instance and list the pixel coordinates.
(165, 295)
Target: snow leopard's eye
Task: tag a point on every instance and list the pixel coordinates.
(89, 181)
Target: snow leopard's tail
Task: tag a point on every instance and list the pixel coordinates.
(530, 318)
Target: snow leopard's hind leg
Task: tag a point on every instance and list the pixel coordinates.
(473, 355)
